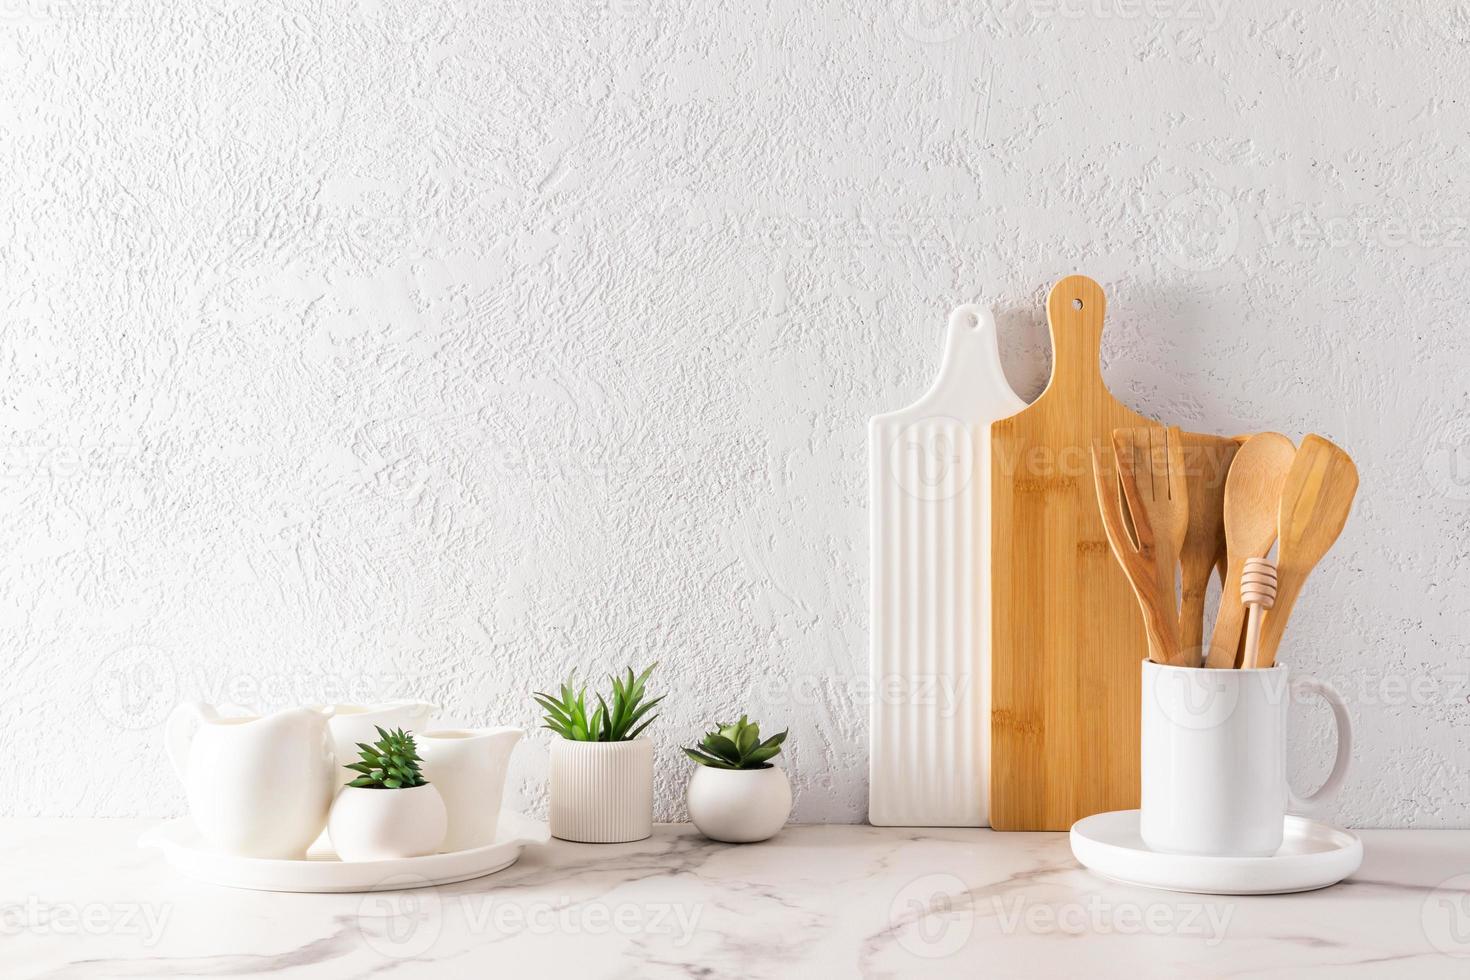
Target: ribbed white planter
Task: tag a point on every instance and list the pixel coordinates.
(602, 792)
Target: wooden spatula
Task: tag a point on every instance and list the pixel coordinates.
(1252, 494)
(1206, 462)
(1153, 482)
(1314, 507)
(1138, 566)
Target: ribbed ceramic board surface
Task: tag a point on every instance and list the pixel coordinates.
(929, 511)
(1067, 634)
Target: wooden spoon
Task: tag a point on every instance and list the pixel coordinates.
(1206, 462)
(1252, 494)
(1151, 475)
(1314, 507)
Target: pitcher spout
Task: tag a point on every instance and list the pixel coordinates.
(469, 766)
(492, 740)
(505, 737)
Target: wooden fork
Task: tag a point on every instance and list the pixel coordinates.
(1145, 514)
(1151, 473)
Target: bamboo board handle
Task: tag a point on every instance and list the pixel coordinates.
(1074, 312)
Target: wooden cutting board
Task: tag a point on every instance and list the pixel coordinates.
(1067, 636)
(929, 512)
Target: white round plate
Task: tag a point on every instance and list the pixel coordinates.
(1313, 855)
(322, 871)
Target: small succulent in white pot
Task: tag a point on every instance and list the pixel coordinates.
(601, 770)
(737, 794)
(390, 810)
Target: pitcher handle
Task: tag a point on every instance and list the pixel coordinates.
(1333, 783)
(179, 731)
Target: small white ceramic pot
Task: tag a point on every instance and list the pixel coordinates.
(601, 792)
(739, 806)
(369, 824)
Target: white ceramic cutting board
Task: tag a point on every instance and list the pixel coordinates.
(929, 509)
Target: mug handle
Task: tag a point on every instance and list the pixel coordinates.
(1333, 783)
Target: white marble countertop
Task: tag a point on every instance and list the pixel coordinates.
(78, 899)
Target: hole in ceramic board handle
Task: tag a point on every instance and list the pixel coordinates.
(967, 317)
(1076, 304)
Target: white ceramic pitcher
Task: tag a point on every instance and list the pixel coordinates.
(354, 723)
(468, 766)
(257, 786)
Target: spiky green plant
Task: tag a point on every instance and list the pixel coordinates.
(566, 714)
(737, 746)
(391, 763)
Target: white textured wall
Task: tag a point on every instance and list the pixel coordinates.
(443, 347)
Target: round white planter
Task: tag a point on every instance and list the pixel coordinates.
(739, 805)
(602, 792)
(382, 824)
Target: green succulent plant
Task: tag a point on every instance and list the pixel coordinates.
(566, 713)
(391, 763)
(737, 746)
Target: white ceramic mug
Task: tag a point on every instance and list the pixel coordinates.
(1214, 758)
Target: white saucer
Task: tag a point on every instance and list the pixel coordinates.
(322, 871)
(1313, 855)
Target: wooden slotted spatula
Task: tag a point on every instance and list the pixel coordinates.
(1207, 460)
(1252, 494)
(1137, 563)
(1314, 507)
(1146, 527)
(1151, 474)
